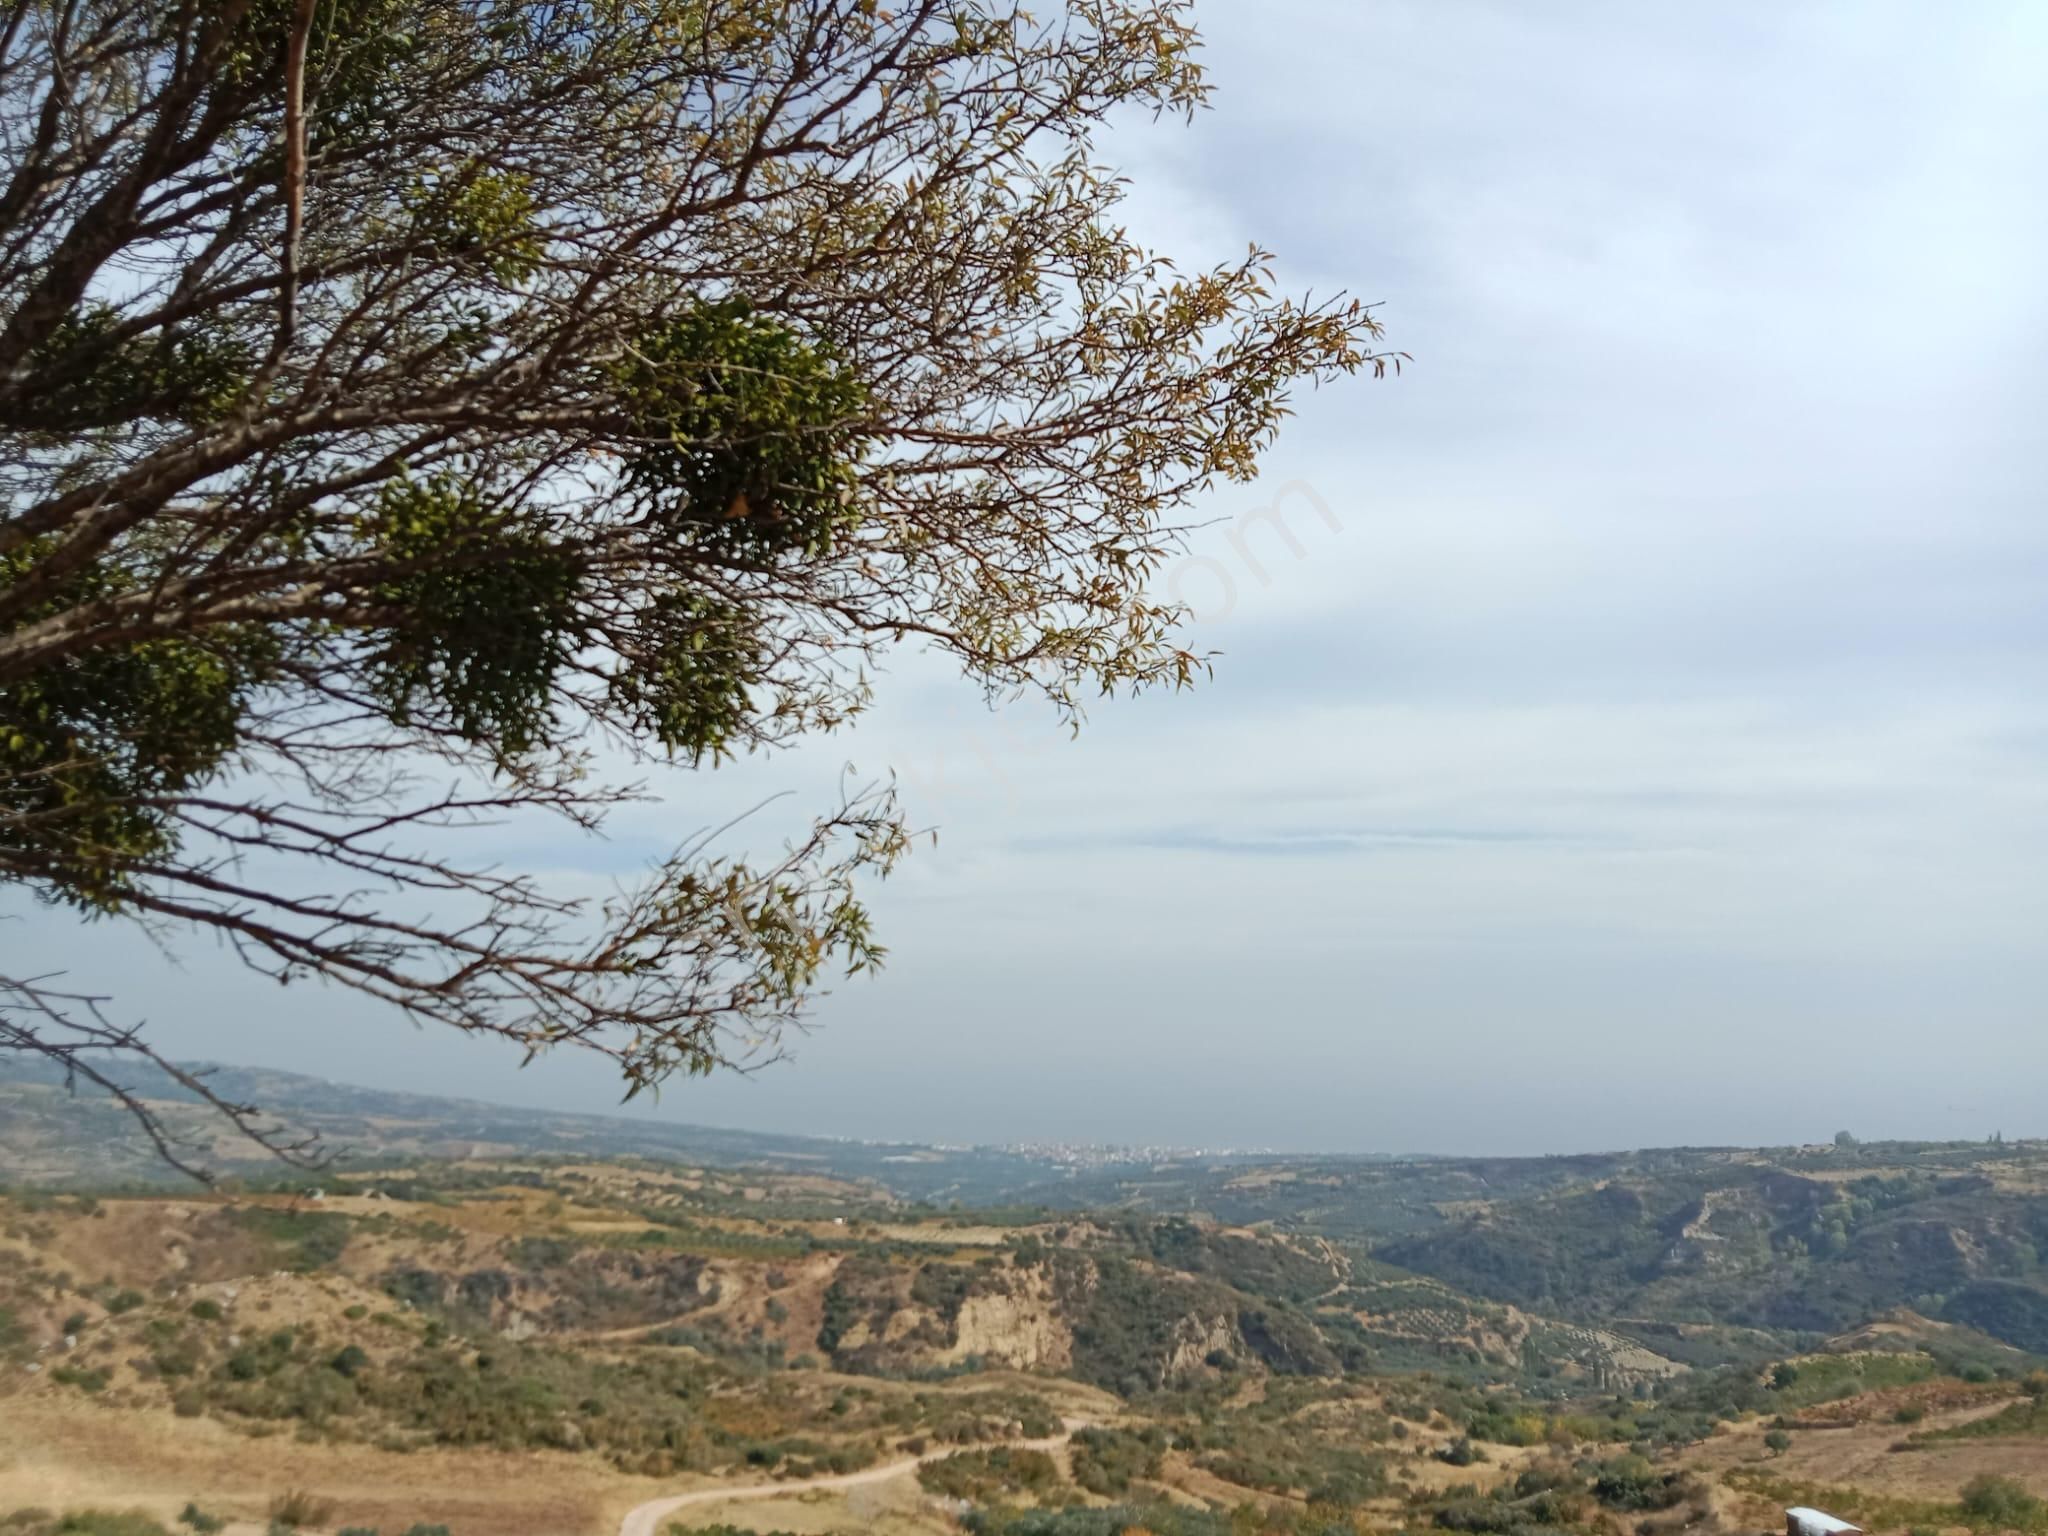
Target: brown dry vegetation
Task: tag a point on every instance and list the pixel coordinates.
(594, 1278)
(61, 1452)
(1865, 1455)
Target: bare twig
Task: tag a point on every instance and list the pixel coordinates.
(72, 1030)
(294, 175)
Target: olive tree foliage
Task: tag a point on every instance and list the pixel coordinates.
(409, 405)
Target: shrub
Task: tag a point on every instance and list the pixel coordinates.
(99, 1522)
(1105, 1460)
(125, 1301)
(207, 1310)
(85, 1522)
(245, 1365)
(984, 1476)
(200, 1520)
(295, 1508)
(350, 1361)
(176, 1360)
(1461, 1452)
(1478, 1515)
(2001, 1501)
(1631, 1483)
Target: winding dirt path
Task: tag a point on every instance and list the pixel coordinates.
(647, 1519)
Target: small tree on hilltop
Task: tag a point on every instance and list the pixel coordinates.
(404, 399)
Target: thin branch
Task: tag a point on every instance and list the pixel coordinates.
(294, 177)
(72, 1031)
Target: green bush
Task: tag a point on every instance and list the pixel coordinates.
(295, 1508)
(2001, 1501)
(1111, 1520)
(985, 1477)
(1105, 1460)
(350, 1362)
(1631, 1483)
(98, 1523)
(299, 1240)
(84, 1522)
(1480, 1515)
(175, 1360)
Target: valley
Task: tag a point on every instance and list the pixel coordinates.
(535, 1331)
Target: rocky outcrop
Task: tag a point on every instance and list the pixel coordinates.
(1022, 1329)
(1195, 1339)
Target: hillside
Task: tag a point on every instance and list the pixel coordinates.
(53, 1137)
(1745, 1250)
(506, 1345)
(647, 1323)
(1798, 1245)
(508, 1321)
(743, 1265)
(550, 1345)
(1749, 1251)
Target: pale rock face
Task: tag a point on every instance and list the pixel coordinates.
(1022, 1330)
(904, 1322)
(1195, 1338)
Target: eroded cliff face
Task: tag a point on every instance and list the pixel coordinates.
(1020, 1326)
(1000, 1314)
(1195, 1338)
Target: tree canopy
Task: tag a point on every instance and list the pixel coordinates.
(406, 401)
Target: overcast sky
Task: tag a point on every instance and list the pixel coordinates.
(1651, 746)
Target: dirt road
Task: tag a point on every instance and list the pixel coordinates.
(648, 1519)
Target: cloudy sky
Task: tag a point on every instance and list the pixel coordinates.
(1649, 746)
